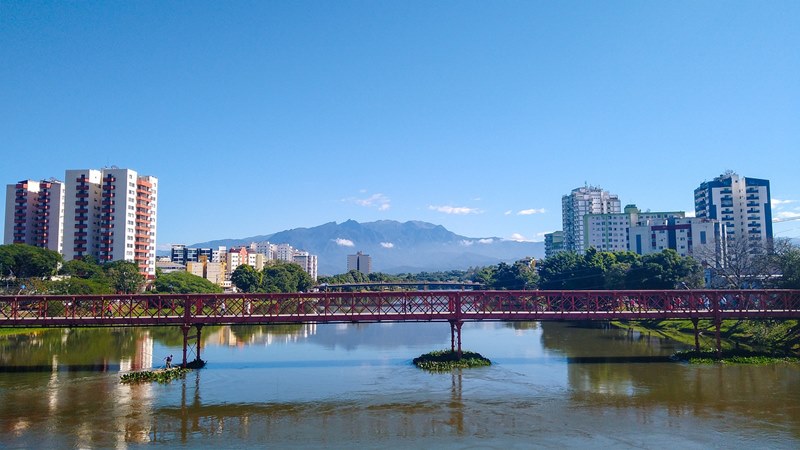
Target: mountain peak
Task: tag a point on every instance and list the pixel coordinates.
(395, 246)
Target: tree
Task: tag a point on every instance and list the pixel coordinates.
(86, 268)
(741, 263)
(285, 277)
(788, 262)
(556, 271)
(124, 277)
(518, 276)
(27, 261)
(80, 286)
(664, 270)
(184, 283)
(246, 278)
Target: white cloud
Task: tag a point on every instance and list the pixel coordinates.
(458, 210)
(528, 212)
(344, 242)
(379, 201)
(507, 213)
(777, 202)
(486, 241)
(466, 243)
(519, 238)
(387, 245)
(786, 215)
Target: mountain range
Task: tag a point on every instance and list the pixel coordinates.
(395, 247)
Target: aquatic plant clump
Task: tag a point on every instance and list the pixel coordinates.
(160, 376)
(444, 360)
(734, 357)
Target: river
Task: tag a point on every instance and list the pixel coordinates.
(353, 385)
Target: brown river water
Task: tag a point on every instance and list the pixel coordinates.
(349, 385)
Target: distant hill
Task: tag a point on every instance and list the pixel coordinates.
(395, 247)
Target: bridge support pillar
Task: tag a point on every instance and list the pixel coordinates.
(696, 335)
(455, 336)
(198, 326)
(718, 336)
(185, 329)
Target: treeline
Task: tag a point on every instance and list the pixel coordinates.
(276, 277)
(564, 271)
(27, 269)
(775, 267)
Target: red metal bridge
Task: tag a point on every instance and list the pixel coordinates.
(455, 307)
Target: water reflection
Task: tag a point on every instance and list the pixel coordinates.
(553, 384)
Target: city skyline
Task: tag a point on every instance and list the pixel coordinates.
(474, 116)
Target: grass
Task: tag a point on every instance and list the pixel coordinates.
(777, 337)
(12, 331)
(446, 360)
(735, 357)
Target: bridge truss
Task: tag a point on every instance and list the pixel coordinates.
(455, 307)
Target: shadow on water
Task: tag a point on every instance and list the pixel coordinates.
(61, 368)
(618, 359)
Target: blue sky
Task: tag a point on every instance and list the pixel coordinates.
(263, 116)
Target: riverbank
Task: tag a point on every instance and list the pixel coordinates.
(739, 338)
(13, 331)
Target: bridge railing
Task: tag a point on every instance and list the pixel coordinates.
(392, 306)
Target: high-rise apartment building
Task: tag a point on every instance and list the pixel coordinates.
(553, 243)
(359, 262)
(740, 204)
(35, 214)
(578, 203)
(111, 214)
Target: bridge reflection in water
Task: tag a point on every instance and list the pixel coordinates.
(455, 307)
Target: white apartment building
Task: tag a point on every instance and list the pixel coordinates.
(284, 252)
(578, 203)
(111, 214)
(35, 214)
(700, 238)
(741, 204)
(308, 262)
(609, 232)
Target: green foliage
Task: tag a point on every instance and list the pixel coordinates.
(665, 270)
(80, 286)
(280, 277)
(619, 270)
(734, 357)
(446, 360)
(518, 276)
(27, 261)
(184, 283)
(124, 277)
(246, 278)
(285, 277)
(353, 276)
(160, 376)
(83, 268)
(789, 266)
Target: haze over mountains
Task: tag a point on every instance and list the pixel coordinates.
(395, 247)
